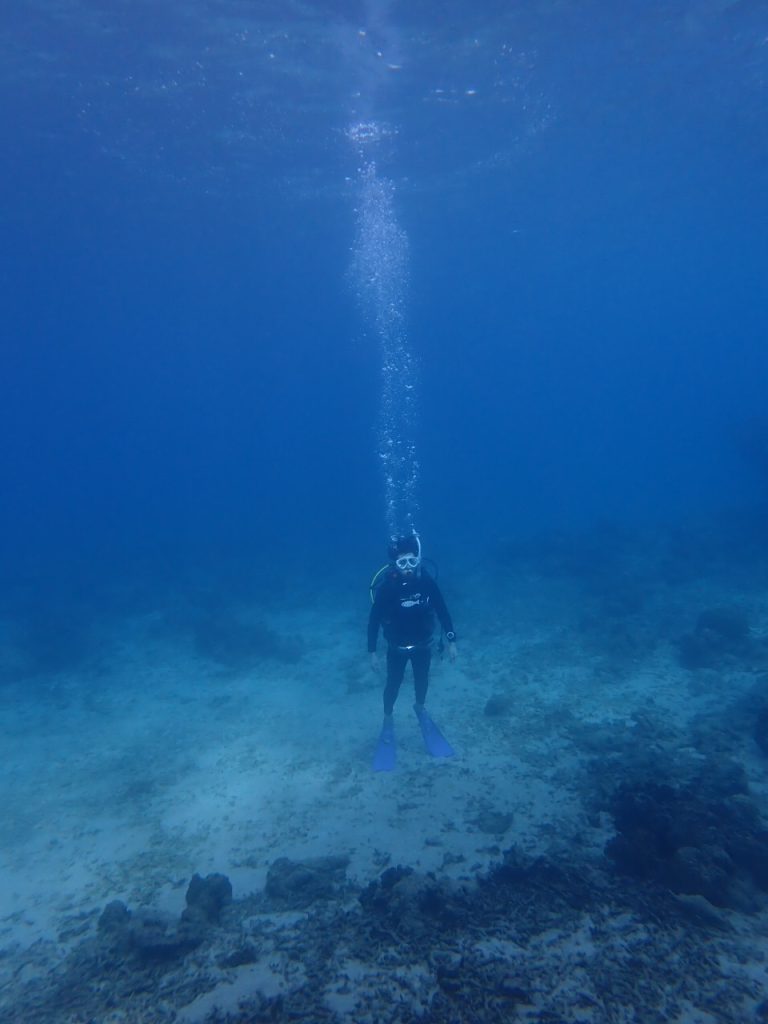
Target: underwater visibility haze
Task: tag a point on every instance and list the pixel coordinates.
(282, 281)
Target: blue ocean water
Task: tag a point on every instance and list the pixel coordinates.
(185, 366)
(195, 385)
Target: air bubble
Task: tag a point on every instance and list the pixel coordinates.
(380, 272)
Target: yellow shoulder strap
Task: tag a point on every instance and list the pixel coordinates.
(374, 580)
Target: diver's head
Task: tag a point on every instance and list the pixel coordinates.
(405, 554)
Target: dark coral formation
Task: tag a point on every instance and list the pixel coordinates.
(498, 705)
(153, 935)
(206, 898)
(296, 885)
(148, 934)
(692, 839)
(493, 822)
(721, 637)
(412, 902)
(425, 950)
(236, 643)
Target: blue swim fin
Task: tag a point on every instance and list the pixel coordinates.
(434, 741)
(386, 752)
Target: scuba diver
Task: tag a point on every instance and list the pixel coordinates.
(405, 604)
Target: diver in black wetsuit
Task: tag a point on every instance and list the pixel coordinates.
(405, 605)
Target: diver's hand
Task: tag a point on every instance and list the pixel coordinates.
(374, 661)
(452, 652)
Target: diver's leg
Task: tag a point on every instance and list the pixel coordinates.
(396, 662)
(420, 659)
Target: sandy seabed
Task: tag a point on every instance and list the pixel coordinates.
(156, 762)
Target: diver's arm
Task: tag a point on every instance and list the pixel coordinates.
(438, 603)
(446, 621)
(374, 623)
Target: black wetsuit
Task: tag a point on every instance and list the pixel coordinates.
(405, 606)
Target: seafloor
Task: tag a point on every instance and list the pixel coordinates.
(596, 852)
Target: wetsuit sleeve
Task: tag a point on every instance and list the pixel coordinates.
(374, 622)
(441, 609)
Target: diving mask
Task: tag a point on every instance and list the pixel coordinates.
(407, 562)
